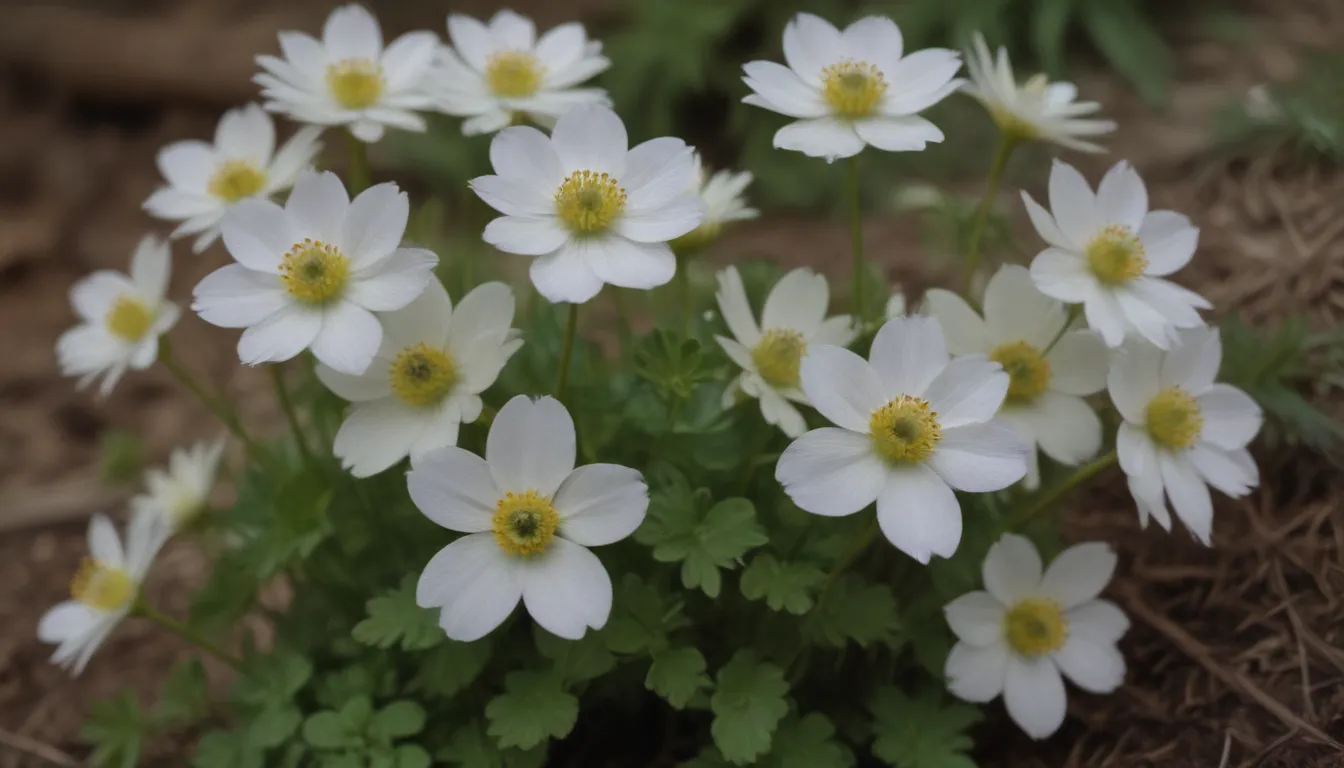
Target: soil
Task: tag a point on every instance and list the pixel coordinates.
(1236, 656)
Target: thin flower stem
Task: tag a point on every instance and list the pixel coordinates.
(1074, 311)
(566, 352)
(622, 319)
(673, 411)
(856, 549)
(1005, 151)
(760, 437)
(856, 240)
(217, 405)
(684, 293)
(147, 611)
(357, 172)
(1043, 502)
(291, 417)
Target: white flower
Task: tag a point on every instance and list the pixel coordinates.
(591, 211)
(501, 73)
(204, 180)
(1037, 109)
(427, 377)
(1182, 432)
(794, 318)
(895, 303)
(911, 427)
(529, 516)
(1046, 389)
(122, 318)
(853, 88)
(1108, 252)
(1015, 638)
(177, 496)
(349, 78)
(311, 275)
(103, 591)
(724, 203)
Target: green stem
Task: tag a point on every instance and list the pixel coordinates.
(684, 294)
(357, 172)
(673, 411)
(1049, 498)
(147, 611)
(856, 240)
(622, 319)
(760, 437)
(856, 549)
(1005, 151)
(291, 417)
(217, 405)
(1074, 311)
(566, 352)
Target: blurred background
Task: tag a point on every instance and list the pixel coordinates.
(1233, 111)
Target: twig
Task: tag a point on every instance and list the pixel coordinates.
(1227, 749)
(44, 752)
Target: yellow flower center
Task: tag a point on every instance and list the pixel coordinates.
(315, 272)
(235, 180)
(1116, 255)
(513, 73)
(778, 357)
(852, 88)
(129, 318)
(1035, 626)
(905, 430)
(1174, 419)
(355, 83)
(1028, 370)
(423, 375)
(525, 523)
(588, 202)
(101, 586)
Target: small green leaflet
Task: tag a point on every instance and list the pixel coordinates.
(808, 743)
(641, 618)
(680, 529)
(184, 698)
(748, 704)
(855, 610)
(395, 618)
(226, 749)
(533, 708)
(677, 674)
(116, 728)
(450, 667)
(922, 732)
(266, 688)
(469, 747)
(784, 586)
(576, 661)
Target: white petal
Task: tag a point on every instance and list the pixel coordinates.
(1046, 227)
(1136, 451)
(839, 330)
(1178, 305)
(980, 457)
(601, 504)
(876, 40)
(908, 353)
(919, 514)
(1121, 197)
(246, 133)
(527, 236)
(1169, 241)
(564, 276)
(820, 137)
(440, 426)
(783, 90)
(562, 46)
(964, 330)
(1016, 310)
(374, 224)
(656, 172)
(1188, 494)
(898, 134)
(393, 282)
(349, 338)
(65, 620)
(351, 32)
(736, 311)
(812, 43)
(1105, 316)
(257, 234)
(531, 445)
(1065, 426)
(1033, 692)
(591, 138)
(367, 131)
(294, 157)
(626, 263)
(780, 412)
(407, 59)
(976, 618)
(1133, 381)
(512, 30)
(426, 319)
(454, 488)
(187, 165)
(1145, 317)
(472, 40)
(1193, 364)
(514, 197)
(1098, 621)
(831, 472)
(373, 385)
(797, 302)
(1094, 667)
(475, 585)
(567, 590)
(1078, 363)
(1231, 417)
(150, 267)
(976, 674)
(1079, 573)
(234, 296)
(1073, 204)
(173, 203)
(487, 309)
(737, 353)
(1012, 569)
(281, 336)
(1062, 275)
(664, 223)
(318, 205)
(1220, 470)
(104, 543)
(525, 154)
(922, 79)
(376, 435)
(969, 390)
(842, 386)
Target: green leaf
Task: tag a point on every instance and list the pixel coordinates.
(709, 757)
(470, 748)
(533, 708)
(1131, 44)
(748, 704)
(703, 542)
(922, 732)
(273, 725)
(412, 756)
(576, 661)
(271, 679)
(1049, 25)
(808, 743)
(122, 456)
(450, 667)
(677, 674)
(672, 363)
(338, 687)
(116, 728)
(329, 730)
(856, 610)
(641, 618)
(226, 749)
(784, 586)
(184, 699)
(394, 617)
(397, 721)
(297, 523)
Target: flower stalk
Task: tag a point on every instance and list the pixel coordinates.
(358, 175)
(1007, 145)
(216, 404)
(146, 611)
(566, 352)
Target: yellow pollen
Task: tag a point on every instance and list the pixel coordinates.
(1028, 371)
(129, 318)
(1035, 626)
(235, 180)
(778, 357)
(852, 88)
(101, 586)
(315, 272)
(423, 375)
(513, 73)
(525, 523)
(1116, 256)
(355, 83)
(1174, 419)
(905, 430)
(588, 202)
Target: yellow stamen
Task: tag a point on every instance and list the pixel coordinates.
(1035, 626)
(525, 523)
(588, 201)
(1174, 419)
(778, 357)
(905, 430)
(355, 83)
(101, 586)
(852, 88)
(423, 375)
(315, 272)
(1028, 370)
(129, 318)
(235, 180)
(1116, 256)
(513, 73)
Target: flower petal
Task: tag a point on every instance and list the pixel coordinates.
(1097, 621)
(1016, 310)
(592, 138)
(601, 504)
(1012, 569)
(1169, 242)
(257, 234)
(842, 386)
(454, 488)
(1079, 574)
(531, 445)
(1231, 417)
(317, 207)
(910, 133)
(783, 90)
(736, 310)
(427, 319)
(1065, 427)
(487, 309)
(246, 133)
(187, 165)
(820, 137)
(1094, 667)
(474, 585)
(918, 513)
(1220, 470)
(907, 354)
(393, 282)
(1078, 363)
(471, 39)
(1034, 694)
(104, 543)
(876, 40)
(566, 590)
(281, 336)
(810, 44)
(797, 302)
(564, 276)
(1133, 380)
(626, 263)
(525, 155)
(514, 197)
(1121, 197)
(234, 296)
(976, 674)
(374, 384)
(1073, 204)
(667, 222)
(1046, 227)
(1062, 275)
(976, 618)
(374, 224)
(969, 390)
(349, 338)
(980, 457)
(526, 235)
(376, 435)
(962, 327)
(1188, 494)
(65, 620)
(831, 472)
(1193, 364)
(351, 32)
